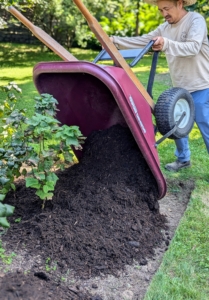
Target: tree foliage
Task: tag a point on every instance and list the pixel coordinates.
(65, 23)
(202, 6)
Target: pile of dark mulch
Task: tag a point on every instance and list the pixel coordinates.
(104, 214)
(30, 287)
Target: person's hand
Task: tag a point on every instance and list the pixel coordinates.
(159, 42)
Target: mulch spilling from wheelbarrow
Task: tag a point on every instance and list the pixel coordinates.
(104, 213)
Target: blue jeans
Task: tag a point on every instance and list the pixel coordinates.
(201, 102)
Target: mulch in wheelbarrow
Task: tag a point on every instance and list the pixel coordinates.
(104, 214)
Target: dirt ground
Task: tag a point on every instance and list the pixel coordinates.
(103, 235)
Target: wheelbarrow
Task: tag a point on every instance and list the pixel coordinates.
(97, 96)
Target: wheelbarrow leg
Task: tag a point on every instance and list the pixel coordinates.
(171, 131)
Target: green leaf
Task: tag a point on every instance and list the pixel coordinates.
(46, 189)
(9, 210)
(10, 164)
(48, 153)
(13, 186)
(2, 197)
(34, 121)
(24, 172)
(32, 182)
(4, 180)
(5, 190)
(52, 177)
(3, 210)
(76, 129)
(4, 223)
(18, 220)
(42, 195)
(6, 210)
(72, 141)
(40, 176)
(34, 159)
(49, 196)
(2, 150)
(49, 186)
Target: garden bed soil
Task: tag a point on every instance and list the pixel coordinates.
(101, 235)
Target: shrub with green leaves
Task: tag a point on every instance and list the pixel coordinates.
(12, 149)
(33, 147)
(55, 153)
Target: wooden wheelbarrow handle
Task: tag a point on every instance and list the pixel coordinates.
(43, 36)
(112, 50)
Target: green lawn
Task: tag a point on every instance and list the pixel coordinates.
(184, 272)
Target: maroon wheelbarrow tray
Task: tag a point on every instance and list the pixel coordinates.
(96, 97)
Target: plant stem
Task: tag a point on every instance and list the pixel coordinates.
(43, 204)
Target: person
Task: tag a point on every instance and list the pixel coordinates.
(183, 38)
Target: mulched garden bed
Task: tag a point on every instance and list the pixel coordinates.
(19, 286)
(104, 214)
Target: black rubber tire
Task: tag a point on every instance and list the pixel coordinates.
(166, 106)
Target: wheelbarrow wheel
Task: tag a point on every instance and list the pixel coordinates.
(169, 108)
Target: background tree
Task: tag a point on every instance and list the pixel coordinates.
(202, 6)
(63, 21)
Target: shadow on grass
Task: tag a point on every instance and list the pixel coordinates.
(27, 55)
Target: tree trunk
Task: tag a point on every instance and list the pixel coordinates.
(137, 18)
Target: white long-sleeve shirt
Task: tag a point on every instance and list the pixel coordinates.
(186, 48)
